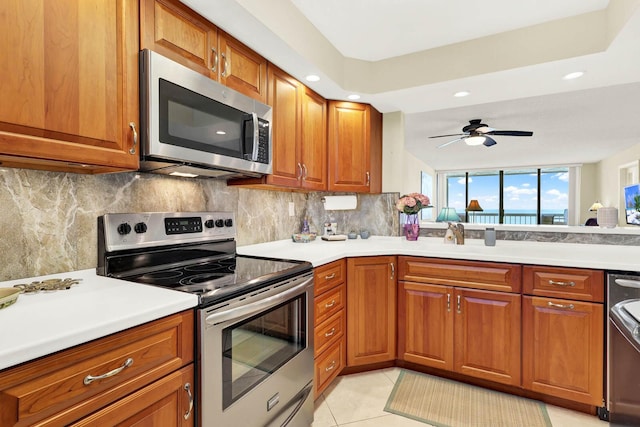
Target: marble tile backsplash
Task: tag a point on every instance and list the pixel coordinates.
(49, 220)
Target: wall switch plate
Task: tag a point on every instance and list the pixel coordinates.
(292, 209)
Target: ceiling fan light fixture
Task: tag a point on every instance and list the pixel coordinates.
(475, 140)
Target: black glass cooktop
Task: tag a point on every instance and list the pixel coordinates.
(223, 278)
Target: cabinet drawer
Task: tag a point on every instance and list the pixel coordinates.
(329, 366)
(60, 387)
(559, 282)
(329, 331)
(469, 274)
(329, 303)
(329, 275)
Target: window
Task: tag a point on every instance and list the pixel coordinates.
(426, 188)
(522, 196)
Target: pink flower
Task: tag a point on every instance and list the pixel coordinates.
(412, 203)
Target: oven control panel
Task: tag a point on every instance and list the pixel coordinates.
(138, 230)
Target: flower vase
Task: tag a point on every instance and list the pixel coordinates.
(411, 227)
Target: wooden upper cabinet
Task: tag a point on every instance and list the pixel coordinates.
(298, 135)
(70, 85)
(355, 147)
(175, 31)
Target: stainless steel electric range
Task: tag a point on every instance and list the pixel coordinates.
(254, 336)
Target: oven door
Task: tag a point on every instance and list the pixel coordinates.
(256, 361)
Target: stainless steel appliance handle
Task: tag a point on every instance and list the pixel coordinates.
(257, 306)
(628, 283)
(256, 137)
(303, 397)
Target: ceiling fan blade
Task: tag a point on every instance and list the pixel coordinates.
(450, 142)
(510, 133)
(453, 134)
(489, 142)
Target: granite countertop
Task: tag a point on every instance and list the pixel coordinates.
(46, 322)
(319, 252)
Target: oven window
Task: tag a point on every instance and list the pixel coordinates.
(255, 348)
(190, 120)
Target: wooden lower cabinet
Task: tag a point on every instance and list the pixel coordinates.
(371, 310)
(138, 374)
(468, 331)
(168, 402)
(563, 347)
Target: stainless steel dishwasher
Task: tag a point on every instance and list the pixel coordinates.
(623, 349)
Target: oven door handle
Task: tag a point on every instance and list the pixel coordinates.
(256, 307)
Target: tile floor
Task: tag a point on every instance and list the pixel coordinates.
(358, 400)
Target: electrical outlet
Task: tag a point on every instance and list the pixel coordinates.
(292, 209)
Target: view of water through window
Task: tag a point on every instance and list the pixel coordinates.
(525, 197)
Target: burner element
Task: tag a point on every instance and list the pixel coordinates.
(47, 285)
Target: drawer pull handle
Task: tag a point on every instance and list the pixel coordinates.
(553, 282)
(448, 303)
(329, 276)
(330, 333)
(90, 378)
(187, 388)
(567, 306)
(330, 367)
(330, 304)
(458, 305)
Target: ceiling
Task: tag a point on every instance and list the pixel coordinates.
(413, 55)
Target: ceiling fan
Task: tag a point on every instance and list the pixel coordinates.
(476, 133)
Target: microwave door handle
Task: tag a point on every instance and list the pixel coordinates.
(255, 307)
(256, 137)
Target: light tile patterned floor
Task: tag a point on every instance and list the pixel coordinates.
(358, 400)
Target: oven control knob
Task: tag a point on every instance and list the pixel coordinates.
(124, 228)
(219, 223)
(140, 227)
(228, 222)
(209, 223)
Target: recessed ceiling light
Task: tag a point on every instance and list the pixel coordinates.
(353, 96)
(461, 94)
(220, 132)
(573, 75)
(312, 78)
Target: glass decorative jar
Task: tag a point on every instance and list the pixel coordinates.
(411, 226)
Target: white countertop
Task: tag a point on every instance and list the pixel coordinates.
(46, 322)
(319, 252)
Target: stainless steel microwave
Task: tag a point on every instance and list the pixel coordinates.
(194, 126)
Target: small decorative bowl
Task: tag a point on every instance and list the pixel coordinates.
(364, 234)
(352, 235)
(8, 296)
(303, 237)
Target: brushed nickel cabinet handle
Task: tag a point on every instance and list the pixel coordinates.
(368, 178)
(187, 388)
(556, 283)
(331, 366)
(215, 60)
(567, 306)
(329, 276)
(458, 308)
(226, 71)
(132, 150)
(448, 303)
(304, 172)
(299, 172)
(331, 304)
(393, 271)
(330, 333)
(90, 378)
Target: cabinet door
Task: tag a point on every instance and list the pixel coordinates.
(371, 310)
(355, 147)
(425, 324)
(314, 141)
(167, 402)
(173, 30)
(70, 84)
(284, 98)
(562, 348)
(241, 68)
(487, 335)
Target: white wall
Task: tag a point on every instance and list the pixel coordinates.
(400, 169)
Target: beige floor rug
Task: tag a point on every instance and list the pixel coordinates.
(446, 403)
